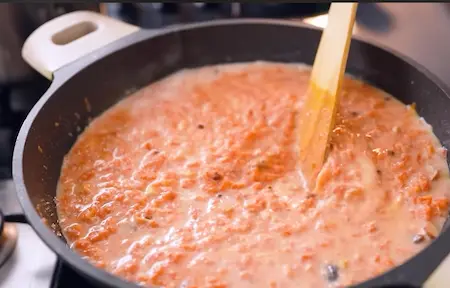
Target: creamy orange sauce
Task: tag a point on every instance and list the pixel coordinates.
(193, 182)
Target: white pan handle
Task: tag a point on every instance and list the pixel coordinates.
(69, 37)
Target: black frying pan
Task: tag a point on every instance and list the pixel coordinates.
(86, 84)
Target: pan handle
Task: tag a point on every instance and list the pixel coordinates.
(69, 37)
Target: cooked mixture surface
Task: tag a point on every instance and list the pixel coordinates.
(193, 182)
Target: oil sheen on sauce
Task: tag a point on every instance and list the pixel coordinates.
(193, 182)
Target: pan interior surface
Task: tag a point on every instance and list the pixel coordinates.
(64, 113)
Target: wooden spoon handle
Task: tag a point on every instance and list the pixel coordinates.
(331, 58)
(319, 111)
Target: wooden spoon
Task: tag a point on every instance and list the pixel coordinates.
(319, 111)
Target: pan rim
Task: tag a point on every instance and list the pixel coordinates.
(66, 73)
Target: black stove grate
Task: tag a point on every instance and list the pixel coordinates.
(16, 100)
(157, 15)
(66, 277)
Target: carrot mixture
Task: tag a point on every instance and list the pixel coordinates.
(193, 182)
